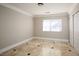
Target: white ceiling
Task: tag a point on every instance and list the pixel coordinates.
(47, 8)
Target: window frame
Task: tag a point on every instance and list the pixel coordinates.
(51, 27)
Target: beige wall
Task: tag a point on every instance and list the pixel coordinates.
(60, 35)
(14, 27)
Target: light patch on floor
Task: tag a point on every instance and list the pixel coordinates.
(39, 47)
(50, 52)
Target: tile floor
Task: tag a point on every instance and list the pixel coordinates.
(39, 47)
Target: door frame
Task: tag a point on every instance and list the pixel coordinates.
(73, 25)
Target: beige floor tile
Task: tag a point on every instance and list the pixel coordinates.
(39, 47)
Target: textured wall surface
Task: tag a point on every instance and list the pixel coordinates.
(14, 27)
(38, 21)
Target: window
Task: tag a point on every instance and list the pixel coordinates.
(52, 25)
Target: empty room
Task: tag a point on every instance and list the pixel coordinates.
(39, 29)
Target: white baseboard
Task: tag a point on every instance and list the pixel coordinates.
(54, 39)
(14, 45)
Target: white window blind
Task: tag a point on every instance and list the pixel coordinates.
(54, 25)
